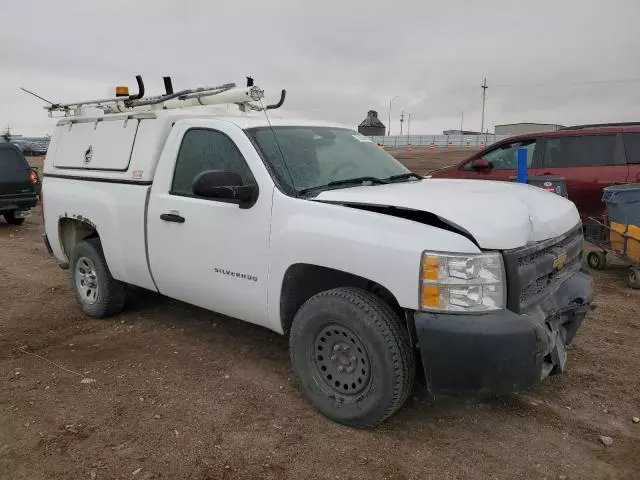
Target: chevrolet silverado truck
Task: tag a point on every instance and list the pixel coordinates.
(310, 230)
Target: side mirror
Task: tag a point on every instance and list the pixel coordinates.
(224, 186)
(481, 164)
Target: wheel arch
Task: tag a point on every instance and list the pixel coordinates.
(302, 281)
(72, 230)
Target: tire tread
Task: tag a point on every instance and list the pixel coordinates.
(395, 336)
(114, 290)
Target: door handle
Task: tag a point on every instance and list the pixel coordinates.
(172, 217)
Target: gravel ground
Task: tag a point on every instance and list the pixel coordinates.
(168, 391)
(421, 160)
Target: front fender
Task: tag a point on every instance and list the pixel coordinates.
(378, 247)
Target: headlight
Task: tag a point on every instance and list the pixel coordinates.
(462, 283)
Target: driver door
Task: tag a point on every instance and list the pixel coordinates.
(210, 252)
(503, 160)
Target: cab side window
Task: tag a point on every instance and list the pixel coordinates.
(581, 151)
(505, 157)
(202, 150)
(632, 147)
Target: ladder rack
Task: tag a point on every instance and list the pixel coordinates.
(227, 93)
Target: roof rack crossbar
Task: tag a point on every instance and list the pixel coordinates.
(128, 102)
(226, 93)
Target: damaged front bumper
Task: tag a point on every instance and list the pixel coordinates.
(502, 351)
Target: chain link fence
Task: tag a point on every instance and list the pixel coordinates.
(439, 141)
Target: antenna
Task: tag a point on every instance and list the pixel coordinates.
(36, 95)
(275, 138)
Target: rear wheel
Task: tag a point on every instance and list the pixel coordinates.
(352, 356)
(99, 294)
(633, 280)
(11, 218)
(597, 260)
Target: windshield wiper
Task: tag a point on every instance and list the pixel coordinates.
(346, 182)
(404, 176)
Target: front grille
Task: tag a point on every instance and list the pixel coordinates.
(535, 271)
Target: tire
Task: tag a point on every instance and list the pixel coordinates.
(342, 328)
(597, 260)
(633, 280)
(11, 218)
(97, 292)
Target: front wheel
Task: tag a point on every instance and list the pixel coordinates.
(97, 292)
(11, 218)
(352, 356)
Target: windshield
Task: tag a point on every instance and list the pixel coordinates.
(318, 156)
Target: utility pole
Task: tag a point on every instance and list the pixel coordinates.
(401, 120)
(461, 131)
(484, 97)
(408, 123)
(390, 102)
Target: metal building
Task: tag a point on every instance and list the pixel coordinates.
(521, 128)
(460, 132)
(372, 126)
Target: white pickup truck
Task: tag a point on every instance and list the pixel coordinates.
(311, 230)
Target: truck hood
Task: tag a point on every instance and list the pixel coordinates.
(498, 215)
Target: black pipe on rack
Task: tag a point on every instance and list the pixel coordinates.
(140, 93)
(283, 95)
(168, 85)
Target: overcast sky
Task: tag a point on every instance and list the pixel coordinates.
(555, 61)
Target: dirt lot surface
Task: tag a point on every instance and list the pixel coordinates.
(421, 160)
(169, 391)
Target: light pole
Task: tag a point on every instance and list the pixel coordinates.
(390, 102)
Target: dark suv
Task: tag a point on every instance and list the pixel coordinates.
(589, 157)
(18, 183)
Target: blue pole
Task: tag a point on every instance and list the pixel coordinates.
(522, 165)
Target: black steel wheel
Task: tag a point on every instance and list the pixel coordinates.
(342, 362)
(352, 356)
(597, 260)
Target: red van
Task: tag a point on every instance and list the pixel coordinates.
(589, 157)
